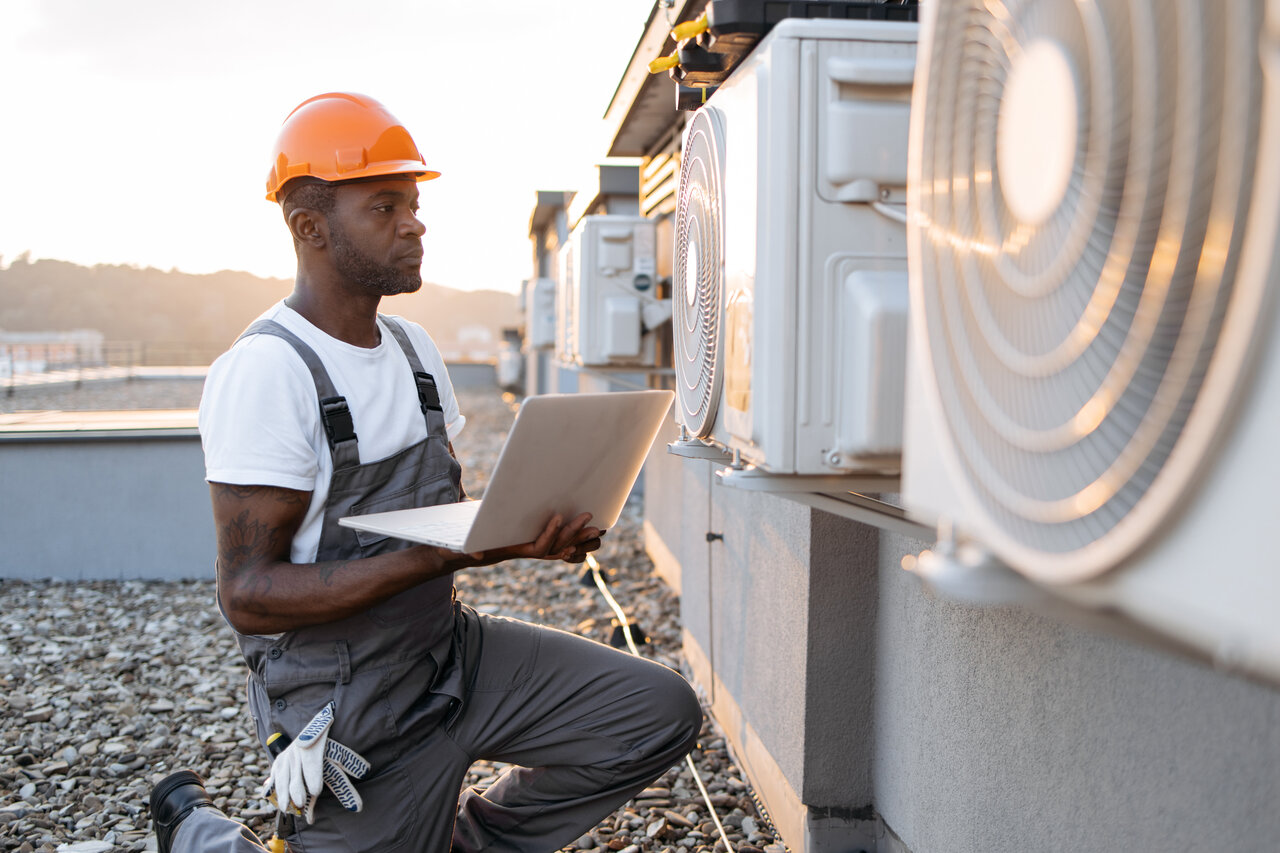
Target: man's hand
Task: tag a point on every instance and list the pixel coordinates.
(558, 541)
(263, 592)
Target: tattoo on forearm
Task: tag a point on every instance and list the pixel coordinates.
(255, 586)
(245, 542)
(328, 570)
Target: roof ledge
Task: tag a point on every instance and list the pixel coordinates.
(644, 105)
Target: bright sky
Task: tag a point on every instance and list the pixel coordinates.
(140, 131)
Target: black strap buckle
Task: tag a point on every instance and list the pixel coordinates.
(336, 417)
(428, 394)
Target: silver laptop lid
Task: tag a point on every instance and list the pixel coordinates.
(567, 454)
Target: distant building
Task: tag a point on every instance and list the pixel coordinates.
(39, 352)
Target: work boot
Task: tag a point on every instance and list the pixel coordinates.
(173, 798)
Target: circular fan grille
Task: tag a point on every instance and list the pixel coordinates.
(699, 275)
(1074, 289)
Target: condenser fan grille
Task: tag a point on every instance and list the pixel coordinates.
(699, 275)
(1084, 180)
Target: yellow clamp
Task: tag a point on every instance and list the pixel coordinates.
(663, 63)
(689, 29)
(681, 32)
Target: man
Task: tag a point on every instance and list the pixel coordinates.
(355, 645)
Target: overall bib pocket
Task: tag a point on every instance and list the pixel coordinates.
(433, 490)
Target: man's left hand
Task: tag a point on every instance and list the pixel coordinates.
(558, 541)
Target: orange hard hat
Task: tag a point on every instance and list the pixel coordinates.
(341, 136)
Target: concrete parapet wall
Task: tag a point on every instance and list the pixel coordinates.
(1001, 730)
(91, 508)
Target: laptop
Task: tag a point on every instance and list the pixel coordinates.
(565, 453)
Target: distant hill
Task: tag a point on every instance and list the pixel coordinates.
(207, 312)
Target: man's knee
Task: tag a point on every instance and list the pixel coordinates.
(673, 702)
(689, 710)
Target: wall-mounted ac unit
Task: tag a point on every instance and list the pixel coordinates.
(1095, 357)
(566, 294)
(790, 269)
(606, 303)
(539, 303)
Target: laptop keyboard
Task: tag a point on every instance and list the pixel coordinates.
(445, 530)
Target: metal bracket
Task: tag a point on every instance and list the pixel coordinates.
(694, 449)
(756, 480)
(873, 511)
(968, 573)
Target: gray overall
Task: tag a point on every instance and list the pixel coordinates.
(425, 686)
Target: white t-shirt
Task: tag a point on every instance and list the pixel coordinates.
(260, 416)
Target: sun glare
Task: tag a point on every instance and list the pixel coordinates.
(146, 125)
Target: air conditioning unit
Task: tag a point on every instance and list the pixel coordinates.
(606, 302)
(1095, 346)
(539, 304)
(566, 295)
(790, 292)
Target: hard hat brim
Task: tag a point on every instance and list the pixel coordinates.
(379, 170)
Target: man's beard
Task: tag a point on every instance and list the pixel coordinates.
(354, 265)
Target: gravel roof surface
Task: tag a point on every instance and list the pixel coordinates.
(106, 687)
(106, 395)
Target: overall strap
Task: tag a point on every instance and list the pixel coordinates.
(334, 412)
(428, 393)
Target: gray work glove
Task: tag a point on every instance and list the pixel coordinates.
(311, 761)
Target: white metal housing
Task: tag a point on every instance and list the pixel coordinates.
(540, 313)
(608, 272)
(790, 269)
(1094, 368)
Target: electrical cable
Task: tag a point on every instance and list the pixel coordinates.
(625, 623)
(594, 565)
(897, 213)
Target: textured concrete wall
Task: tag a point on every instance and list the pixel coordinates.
(86, 509)
(1001, 730)
(784, 609)
(840, 670)
(967, 729)
(686, 535)
(664, 517)
(563, 380)
(760, 609)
